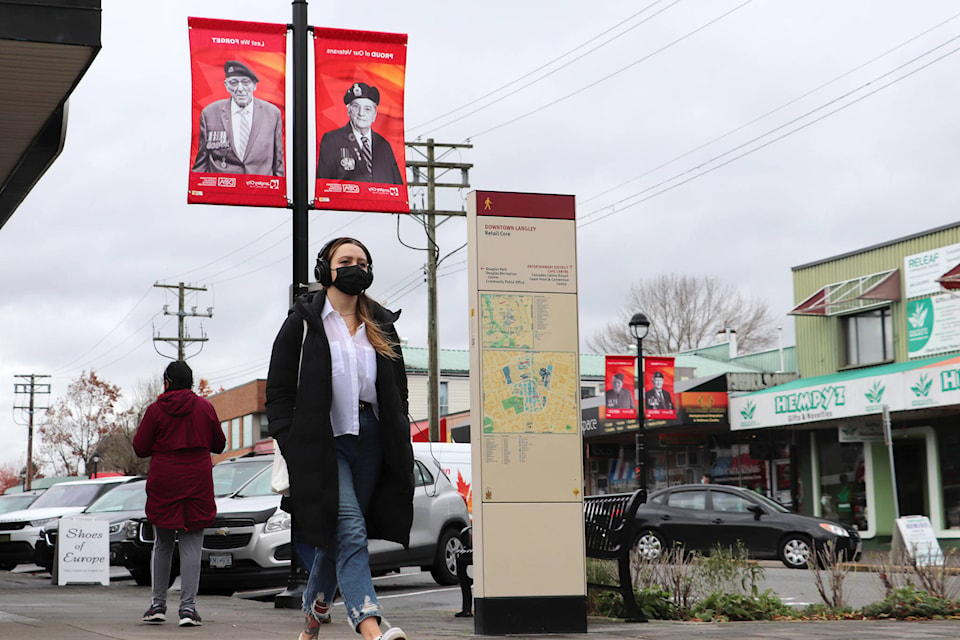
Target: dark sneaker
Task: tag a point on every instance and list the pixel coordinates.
(189, 618)
(394, 633)
(156, 613)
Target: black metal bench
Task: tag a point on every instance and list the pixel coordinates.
(609, 528)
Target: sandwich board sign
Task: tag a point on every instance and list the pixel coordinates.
(83, 551)
(913, 538)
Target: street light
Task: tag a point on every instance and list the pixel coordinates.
(94, 460)
(639, 327)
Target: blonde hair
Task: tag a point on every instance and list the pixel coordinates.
(380, 341)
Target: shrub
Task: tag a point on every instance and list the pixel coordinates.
(910, 602)
(720, 606)
(674, 572)
(828, 561)
(729, 571)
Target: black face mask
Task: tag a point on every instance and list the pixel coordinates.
(352, 280)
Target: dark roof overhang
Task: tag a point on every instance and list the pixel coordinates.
(46, 46)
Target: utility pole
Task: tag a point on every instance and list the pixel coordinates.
(182, 313)
(31, 388)
(430, 224)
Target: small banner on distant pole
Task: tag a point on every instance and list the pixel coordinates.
(620, 400)
(239, 97)
(658, 396)
(361, 164)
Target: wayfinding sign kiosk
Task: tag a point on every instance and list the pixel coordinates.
(529, 561)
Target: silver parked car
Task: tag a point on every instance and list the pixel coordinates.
(249, 544)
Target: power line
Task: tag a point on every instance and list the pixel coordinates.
(771, 112)
(766, 144)
(107, 335)
(618, 71)
(285, 223)
(547, 64)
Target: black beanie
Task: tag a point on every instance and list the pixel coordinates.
(178, 375)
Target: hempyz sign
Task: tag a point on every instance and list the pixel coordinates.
(817, 400)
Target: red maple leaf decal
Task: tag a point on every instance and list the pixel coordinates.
(463, 488)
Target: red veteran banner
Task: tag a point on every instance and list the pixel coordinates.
(620, 375)
(658, 389)
(239, 87)
(360, 152)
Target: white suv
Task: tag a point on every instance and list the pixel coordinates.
(19, 530)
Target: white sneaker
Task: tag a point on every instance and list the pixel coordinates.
(394, 633)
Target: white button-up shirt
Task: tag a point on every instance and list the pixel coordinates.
(353, 363)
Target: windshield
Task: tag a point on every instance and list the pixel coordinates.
(230, 476)
(770, 503)
(127, 497)
(65, 495)
(16, 502)
(259, 486)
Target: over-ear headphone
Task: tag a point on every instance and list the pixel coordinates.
(322, 269)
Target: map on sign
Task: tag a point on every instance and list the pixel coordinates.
(506, 322)
(530, 392)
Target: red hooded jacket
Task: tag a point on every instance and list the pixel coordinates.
(180, 430)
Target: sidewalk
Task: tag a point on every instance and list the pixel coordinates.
(31, 612)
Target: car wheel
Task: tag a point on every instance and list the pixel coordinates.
(8, 566)
(649, 545)
(796, 551)
(444, 569)
(142, 577)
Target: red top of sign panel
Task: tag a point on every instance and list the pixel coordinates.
(526, 205)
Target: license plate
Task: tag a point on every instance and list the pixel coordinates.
(4, 537)
(221, 560)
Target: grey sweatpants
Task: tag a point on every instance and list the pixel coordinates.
(190, 544)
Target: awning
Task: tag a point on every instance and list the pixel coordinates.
(420, 431)
(951, 279)
(850, 295)
(45, 48)
(901, 386)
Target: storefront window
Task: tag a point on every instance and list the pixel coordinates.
(868, 337)
(843, 494)
(949, 441)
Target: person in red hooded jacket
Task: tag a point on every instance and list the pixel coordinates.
(179, 430)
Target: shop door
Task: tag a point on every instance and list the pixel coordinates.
(910, 458)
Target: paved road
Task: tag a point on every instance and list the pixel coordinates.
(33, 609)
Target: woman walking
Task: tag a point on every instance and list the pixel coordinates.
(337, 406)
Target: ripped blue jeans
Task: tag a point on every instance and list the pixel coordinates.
(348, 563)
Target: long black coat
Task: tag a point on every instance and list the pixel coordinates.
(299, 418)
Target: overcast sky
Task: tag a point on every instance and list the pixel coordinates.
(653, 114)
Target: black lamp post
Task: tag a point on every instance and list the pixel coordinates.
(639, 327)
(94, 461)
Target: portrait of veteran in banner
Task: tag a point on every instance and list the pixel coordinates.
(355, 151)
(240, 134)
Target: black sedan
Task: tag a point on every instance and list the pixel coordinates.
(698, 517)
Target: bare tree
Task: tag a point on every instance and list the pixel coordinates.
(116, 449)
(687, 312)
(9, 476)
(73, 427)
